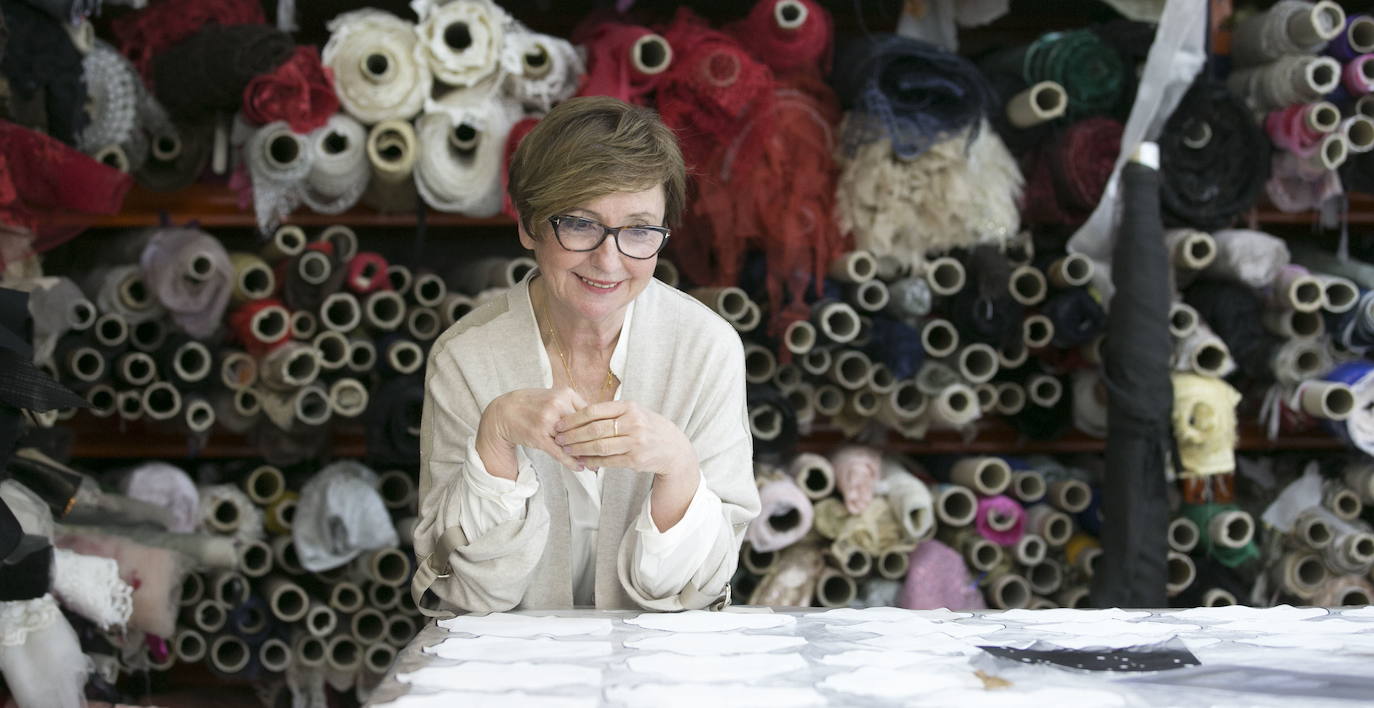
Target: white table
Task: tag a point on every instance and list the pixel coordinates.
(873, 657)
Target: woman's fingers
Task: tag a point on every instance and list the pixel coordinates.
(587, 414)
(601, 447)
(594, 430)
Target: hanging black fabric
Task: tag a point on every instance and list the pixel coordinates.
(1132, 571)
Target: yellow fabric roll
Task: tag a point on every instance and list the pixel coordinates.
(1205, 424)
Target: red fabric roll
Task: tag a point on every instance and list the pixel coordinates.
(517, 133)
(241, 324)
(806, 48)
(712, 86)
(358, 279)
(144, 34)
(610, 69)
(1065, 180)
(40, 177)
(300, 92)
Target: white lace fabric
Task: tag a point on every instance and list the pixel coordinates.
(21, 618)
(91, 587)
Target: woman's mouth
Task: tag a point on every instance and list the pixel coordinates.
(599, 285)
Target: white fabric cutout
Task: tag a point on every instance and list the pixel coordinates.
(513, 649)
(494, 677)
(1068, 615)
(1360, 612)
(890, 683)
(696, 695)
(714, 644)
(703, 621)
(1033, 698)
(915, 627)
(501, 624)
(469, 699)
(745, 667)
(928, 643)
(882, 613)
(859, 658)
(1107, 628)
(1306, 627)
(1234, 613)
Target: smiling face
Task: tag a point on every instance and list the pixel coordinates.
(595, 285)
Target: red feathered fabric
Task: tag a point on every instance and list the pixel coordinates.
(41, 177)
(143, 35)
(781, 202)
(798, 41)
(611, 68)
(300, 92)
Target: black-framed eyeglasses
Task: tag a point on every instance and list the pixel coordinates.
(577, 233)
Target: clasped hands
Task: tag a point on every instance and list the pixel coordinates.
(621, 434)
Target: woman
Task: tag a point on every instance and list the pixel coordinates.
(584, 439)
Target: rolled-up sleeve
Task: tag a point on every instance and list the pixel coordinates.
(689, 565)
(481, 538)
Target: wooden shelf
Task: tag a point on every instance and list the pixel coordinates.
(113, 439)
(215, 206)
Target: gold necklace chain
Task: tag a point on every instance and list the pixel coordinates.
(558, 347)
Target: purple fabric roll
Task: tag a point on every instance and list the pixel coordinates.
(938, 578)
(999, 511)
(785, 518)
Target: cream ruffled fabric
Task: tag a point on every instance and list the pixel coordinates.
(397, 94)
(1205, 424)
(40, 656)
(953, 195)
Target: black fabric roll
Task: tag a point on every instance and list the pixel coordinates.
(1006, 85)
(984, 311)
(1135, 370)
(168, 175)
(1041, 422)
(393, 422)
(1077, 317)
(283, 449)
(300, 295)
(1235, 313)
(209, 71)
(44, 72)
(1132, 41)
(913, 92)
(67, 10)
(1211, 574)
(1207, 186)
(780, 448)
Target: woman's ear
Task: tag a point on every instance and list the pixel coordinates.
(525, 239)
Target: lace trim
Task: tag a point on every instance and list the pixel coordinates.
(19, 619)
(91, 587)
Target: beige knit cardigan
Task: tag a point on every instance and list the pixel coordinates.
(683, 361)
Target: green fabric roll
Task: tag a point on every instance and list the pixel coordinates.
(1201, 514)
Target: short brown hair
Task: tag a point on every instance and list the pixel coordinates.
(591, 146)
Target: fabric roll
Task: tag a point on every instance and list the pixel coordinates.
(339, 172)
(912, 93)
(44, 71)
(857, 470)
(972, 172)
(299, 92)
(937, 577)
(377, 73)
(789, 37)
(178, 154)
(910, 501)
(786, 516)
(460, 158)
(56, 306)
(226, 510)
(462, 40)
(1296, 186)
(1285, 81)
(279, 162)
(1213, 158)
(1066, 179)
(1235, 313)
(1077, 316)
(166, 486)
(393, 422)
(188, 271)
(792, 580)
(392, 148)
(209, 71)
(1358, 429)
(773, 423)
(123, 290)
(1204, 420)
(143, 35)
(1265, 36)
(1254, 258)
(624, 61)
(1090, 70)
(1202, 515)
(122, 113)
(340, 515)
(541, 70)
(1001, 520)
(306, 285)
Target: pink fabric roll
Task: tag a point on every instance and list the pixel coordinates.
(857, 469)
(785, 517)
(1353, 77)
(1288, 129)
(938, 578)
(1003, 507)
